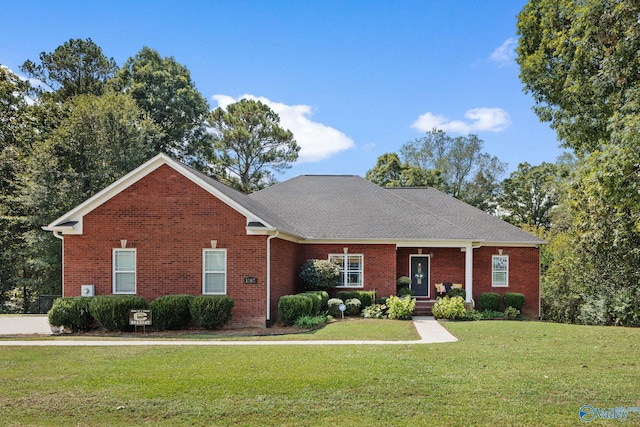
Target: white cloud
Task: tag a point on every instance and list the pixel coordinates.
(478, 119)
(506, 53)
(317, 141)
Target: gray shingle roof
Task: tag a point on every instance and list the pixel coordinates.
(487, 227)
(349, 207)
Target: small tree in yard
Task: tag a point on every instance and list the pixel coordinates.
(319, 274)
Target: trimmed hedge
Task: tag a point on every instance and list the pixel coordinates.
(366, 297)
(291, 307)
(403, 282)
(72, 313)
(333, 307)
(211, 311)
(316, 302)
(403, 292)
(112, 311)
(171, 312)
(489, 302)
(325, 298)
(457, 292)
(514, 299)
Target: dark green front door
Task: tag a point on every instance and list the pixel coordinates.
(420, 275)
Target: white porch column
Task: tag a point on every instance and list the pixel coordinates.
(468, 271)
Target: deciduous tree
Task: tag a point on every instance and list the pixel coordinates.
(578, 59)
(163, 88)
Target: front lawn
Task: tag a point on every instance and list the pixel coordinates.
(498, 373)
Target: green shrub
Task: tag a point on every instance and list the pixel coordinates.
(492, 314)
(375, 311)
(310, 322)
(511, 313)
(473, 315)
(171, 312)
(333, 307)
(403, 282)
(403, 292)
(489, 302)
(353, 307)
(366, 297)
(316, 302)
(400, 308)
(324, 295)
(514, 299)
(291, 307)
(457, 292)
(72, 313)
(319, 274)
(449, 308)
(211, 311)
(112, 311)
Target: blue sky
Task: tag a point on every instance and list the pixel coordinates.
(352, 79)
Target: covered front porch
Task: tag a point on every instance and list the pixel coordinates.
(431, 264)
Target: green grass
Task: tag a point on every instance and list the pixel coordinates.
(498, 373)
(355, 329)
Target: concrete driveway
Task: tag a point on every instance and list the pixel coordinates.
(28, 324)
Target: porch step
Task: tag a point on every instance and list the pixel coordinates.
(423, 307)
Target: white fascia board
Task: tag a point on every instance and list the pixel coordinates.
(517, 244)
(397, 243)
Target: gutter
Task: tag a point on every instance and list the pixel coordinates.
(58, 234)
(268, 317)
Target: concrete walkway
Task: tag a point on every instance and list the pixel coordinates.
(429, 329)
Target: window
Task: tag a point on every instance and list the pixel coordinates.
(124, 271)
(351, 270)
(500, 271)
(214, 271)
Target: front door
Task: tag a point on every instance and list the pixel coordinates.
(420, 275)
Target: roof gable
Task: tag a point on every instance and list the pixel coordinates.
(71, 222)
(331, 208)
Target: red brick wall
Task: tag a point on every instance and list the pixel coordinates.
(524, 275)
(379, 264)
(169, 220)
(448, 265)
(286, 261)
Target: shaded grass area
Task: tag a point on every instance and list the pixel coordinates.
(499, 373)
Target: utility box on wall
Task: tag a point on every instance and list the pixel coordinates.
(87, 290)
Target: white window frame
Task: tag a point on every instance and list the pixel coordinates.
(501, 269)
(205, 272)
(116, 272)
(345, 274)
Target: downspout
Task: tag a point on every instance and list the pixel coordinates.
(61, 237)
(268, 322)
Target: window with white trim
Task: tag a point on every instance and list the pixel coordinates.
(124, 271)
(214, 271)
(500, 271)
(351, 270)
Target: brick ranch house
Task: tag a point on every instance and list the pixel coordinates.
(165, 228)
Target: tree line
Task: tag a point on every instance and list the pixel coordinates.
(89, 123)
(579, 61)
(85, 122)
